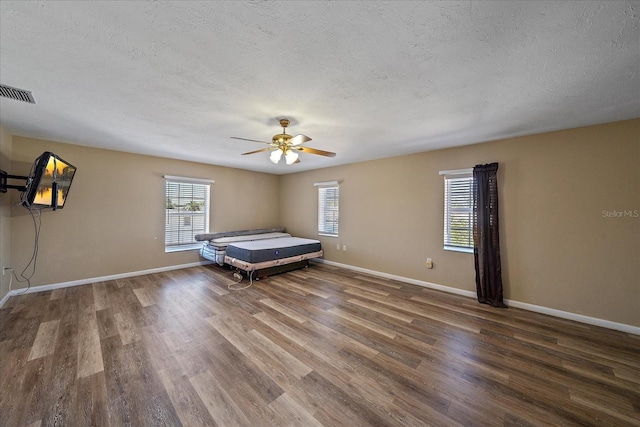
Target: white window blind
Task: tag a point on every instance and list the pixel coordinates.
(187, 212)
(328, 210)
(458, 211)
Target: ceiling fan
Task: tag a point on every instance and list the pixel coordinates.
(287, 145)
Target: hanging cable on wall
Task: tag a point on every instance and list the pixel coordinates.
(46, 187)
(31, 265)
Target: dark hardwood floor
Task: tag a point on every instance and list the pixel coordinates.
(319, 346)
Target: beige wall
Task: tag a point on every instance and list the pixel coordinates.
(113, 221)
(558, 249)
(5, 211)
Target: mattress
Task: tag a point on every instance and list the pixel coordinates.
(258, 251)
(215, 249)
(225, 241)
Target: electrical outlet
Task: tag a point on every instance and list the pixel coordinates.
(344, 248)
(429, 263)
(4, 269)
(338, 246)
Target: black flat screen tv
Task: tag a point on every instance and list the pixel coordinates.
(48, 183)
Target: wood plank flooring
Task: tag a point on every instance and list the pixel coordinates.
(321, 346)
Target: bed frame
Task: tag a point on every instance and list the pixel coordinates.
(264, 269)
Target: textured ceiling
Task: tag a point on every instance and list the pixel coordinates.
(364, 79)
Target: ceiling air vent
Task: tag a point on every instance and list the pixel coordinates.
(17, 94)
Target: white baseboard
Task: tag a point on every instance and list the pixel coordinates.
(5, 299)
(623, 327)
(511, 303)
(53, 286)
(430, 285)
(525, 306)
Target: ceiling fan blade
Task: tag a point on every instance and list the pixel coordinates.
(299, 139)
(252, 140)
(261, 150)
(315, 151)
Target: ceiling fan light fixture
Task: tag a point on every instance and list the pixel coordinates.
(291, 157)
(287, 145)
(276, 156)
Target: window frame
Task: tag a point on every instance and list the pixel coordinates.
(201, 185)
(463, 193)
(325, 211)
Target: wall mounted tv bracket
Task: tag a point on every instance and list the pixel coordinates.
(3, 182)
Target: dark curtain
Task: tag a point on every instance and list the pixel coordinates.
(486, 236)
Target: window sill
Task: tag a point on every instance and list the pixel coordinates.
(327, 235)
(458, 249)
(170, 249)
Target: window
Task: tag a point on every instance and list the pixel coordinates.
(328, 212)
(187, 212)
(458, 210)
